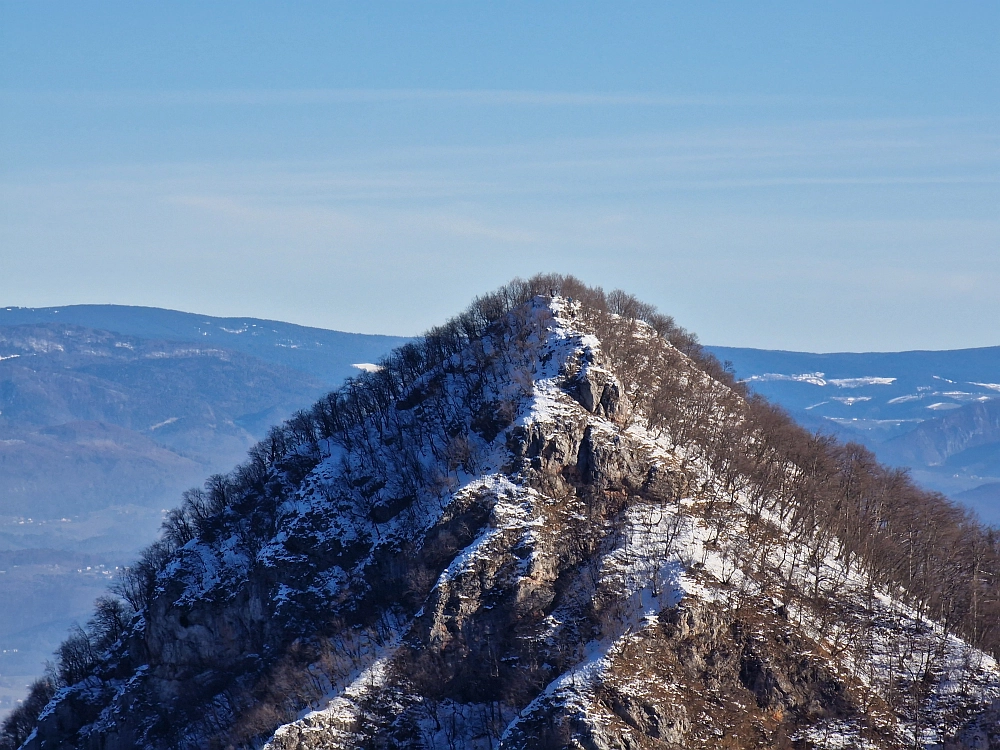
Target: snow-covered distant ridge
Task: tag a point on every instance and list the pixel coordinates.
(817, 378)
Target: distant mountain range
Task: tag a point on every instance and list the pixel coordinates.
(934, 412)
(325, 355)
(107, 413)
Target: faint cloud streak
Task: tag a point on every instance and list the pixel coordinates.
(475, 97)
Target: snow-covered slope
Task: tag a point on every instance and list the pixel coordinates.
(545, 527)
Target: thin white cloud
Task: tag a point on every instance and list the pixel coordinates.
(481, 97)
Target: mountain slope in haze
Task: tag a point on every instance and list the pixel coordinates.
(95, 392)
(551, 523)
(925, 410)
(100, 431)
(961, 437)
(323, 354)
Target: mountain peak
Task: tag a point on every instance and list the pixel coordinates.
(552, 522)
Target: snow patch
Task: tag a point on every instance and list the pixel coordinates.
(813, 378)
(164, 423)
(817, 378)
(991, 386)
(859, 382)
(850, 400)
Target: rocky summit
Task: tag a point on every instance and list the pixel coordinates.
(553, 522)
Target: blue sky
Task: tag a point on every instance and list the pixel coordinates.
(816, 176)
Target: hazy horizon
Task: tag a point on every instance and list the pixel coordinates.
(391, 335)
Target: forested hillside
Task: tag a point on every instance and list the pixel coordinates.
(554, 521)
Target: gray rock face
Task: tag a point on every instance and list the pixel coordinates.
(601, 393)
(608, 460)
(669, 725)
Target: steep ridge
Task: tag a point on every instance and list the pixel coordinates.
(551, 523)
